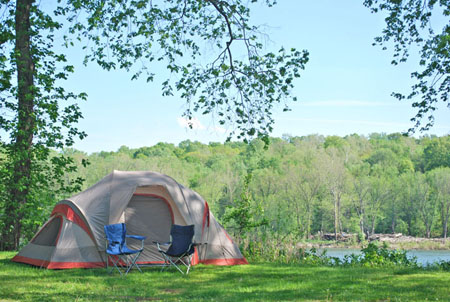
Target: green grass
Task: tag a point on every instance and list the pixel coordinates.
(255, 282)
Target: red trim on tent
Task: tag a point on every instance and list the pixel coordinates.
(205, 217)
(228, 236)
(70, 214)
(57, 265)
(65, 265)
(229, 261)
(160, 197)
(195, 260)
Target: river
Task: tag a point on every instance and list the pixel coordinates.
(423, 256)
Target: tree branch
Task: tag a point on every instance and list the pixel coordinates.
(218, 7)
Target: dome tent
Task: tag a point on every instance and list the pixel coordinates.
(148, 203)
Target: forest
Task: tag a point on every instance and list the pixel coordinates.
(295, 187)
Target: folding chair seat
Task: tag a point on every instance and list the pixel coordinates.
(117, 251)
(181, 247)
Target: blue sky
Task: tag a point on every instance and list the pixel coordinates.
(345, 88)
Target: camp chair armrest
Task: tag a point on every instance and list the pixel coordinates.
(158, 245)
(162, 243)
(136, 237)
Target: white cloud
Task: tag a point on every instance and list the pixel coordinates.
(193, 124)
(220, 130)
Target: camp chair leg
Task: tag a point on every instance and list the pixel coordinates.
(115, 263)
(189, 264)
(169, 262)
(176, 266)
(126, 263)
(133, 263)
(166, 264)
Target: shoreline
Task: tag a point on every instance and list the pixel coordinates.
(393, 241)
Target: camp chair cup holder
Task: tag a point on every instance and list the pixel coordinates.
(181, 248)
(117, 252)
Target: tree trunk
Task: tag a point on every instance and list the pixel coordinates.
(339, 214)
(372, 226)
(336, 213)
(308, 224)
(445, 217)
(361, 224)
(445, 224)
(20, 180)
(297, 214)
(393, 224)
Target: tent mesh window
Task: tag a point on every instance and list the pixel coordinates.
(48, 236)
(149, 216)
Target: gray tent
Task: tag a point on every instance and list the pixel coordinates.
(147, 202)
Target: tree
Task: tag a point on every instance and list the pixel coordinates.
(303, 186)
(426, 203)
(336, 184)
(418, 202)
(440, 180)
(361, 186)
(410, 27)
(245, 214)
(378, 193)
(34, 115)
(129, 35)
(437, 153)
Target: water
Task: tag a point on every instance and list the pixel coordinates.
(424, 257)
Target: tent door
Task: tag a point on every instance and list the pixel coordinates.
(149, 215)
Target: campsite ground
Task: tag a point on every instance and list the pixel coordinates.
(255, 282)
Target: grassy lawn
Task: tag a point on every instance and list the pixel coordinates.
(255, 282)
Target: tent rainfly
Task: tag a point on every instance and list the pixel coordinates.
(148, 203)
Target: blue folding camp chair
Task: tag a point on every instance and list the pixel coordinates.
(117, 250)
(181, 247)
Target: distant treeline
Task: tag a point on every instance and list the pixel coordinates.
(304, 185)
(300, 186)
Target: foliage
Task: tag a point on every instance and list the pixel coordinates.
(38, 115)
(244, 214)
(238, 90)
(437, 153)
(422, 27)
(290, 185)
(373, 255)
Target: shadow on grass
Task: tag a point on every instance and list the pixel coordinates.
(258, 282)
(278, 283)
